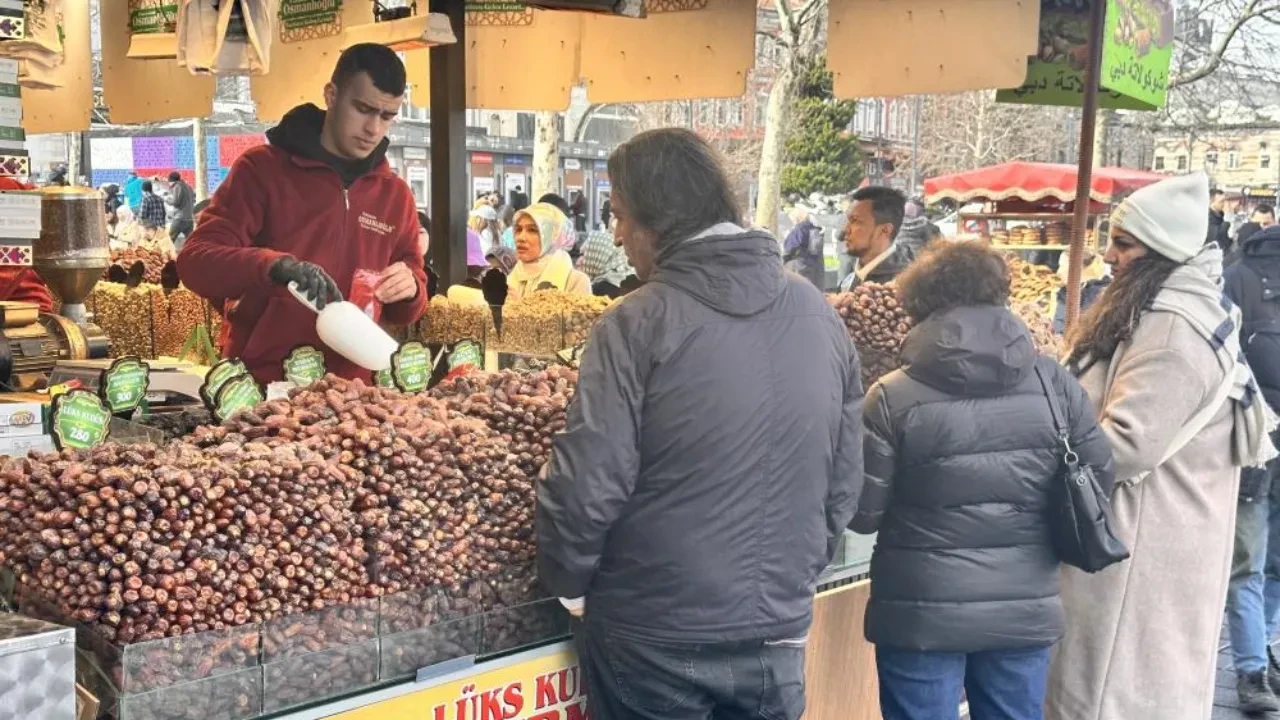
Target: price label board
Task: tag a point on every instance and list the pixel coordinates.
(304, 366)
(383, 379)
(239, 393)
(411, 367)
(80, 420)
(218, 376)
(124, 384)
(466, 352)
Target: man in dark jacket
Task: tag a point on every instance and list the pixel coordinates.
(151, 214)
(874, 219)
(961, 458)
(1219, 226)
(183, 199)
(802, 250)
(1253, 596)
(711, 458)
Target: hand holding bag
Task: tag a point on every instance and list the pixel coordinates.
(1079, 511)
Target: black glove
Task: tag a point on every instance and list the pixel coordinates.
(313, 282)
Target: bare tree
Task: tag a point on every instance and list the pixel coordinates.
(799, 36)
(963, 131)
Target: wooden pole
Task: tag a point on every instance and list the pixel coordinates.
(1084, 175)
(449, 194)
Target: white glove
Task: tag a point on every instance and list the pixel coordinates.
(576, 606)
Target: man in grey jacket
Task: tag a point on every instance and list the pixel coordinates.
(711, 460)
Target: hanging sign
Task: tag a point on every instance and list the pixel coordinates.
(80, 420)
(1136, 52)
(309, 19)
(411, 367)
(124, 384)
(218, 375)
(152, 16)
(465, 353)
(304, 366)
(239, 393)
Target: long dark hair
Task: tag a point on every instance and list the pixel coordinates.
(1112, 320)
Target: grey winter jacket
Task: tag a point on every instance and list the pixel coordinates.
(713, 451)
(960, 457)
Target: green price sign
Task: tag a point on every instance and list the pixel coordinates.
(304, 366)
(466, 352)
(237, 394)
(124, 384)
(383, 379)
(218, 375)
(80, 420)
(411, 367)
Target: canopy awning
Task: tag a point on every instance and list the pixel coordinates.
(1035, 182)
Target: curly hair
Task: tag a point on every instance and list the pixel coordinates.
(953, 274)
(1112, 320)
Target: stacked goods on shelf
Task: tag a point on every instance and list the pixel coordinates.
(153, 261)
(196, 569)
(448, 322)
(1057, 233)
(548, 321)
(1030, 283)
(1025, 235)
(149, 322)
(878, 326)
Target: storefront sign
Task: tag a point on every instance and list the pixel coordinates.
(481, 185)
(417, 173)
(572, 164)
(1137, 49)
(411, 367)
(415, 153)
(515, 160)
(124, 384)
(80, 420)
(218, 375)
(309, 19)
(480, 158)
(237, 394)
(544, 688)
(304, 366)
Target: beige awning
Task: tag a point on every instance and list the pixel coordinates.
(906, 47)
(68, 107)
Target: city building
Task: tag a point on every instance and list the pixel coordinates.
(1239, 148)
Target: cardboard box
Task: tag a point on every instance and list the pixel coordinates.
(20, 446)
(23, 419)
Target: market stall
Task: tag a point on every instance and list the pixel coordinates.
(1028, 206)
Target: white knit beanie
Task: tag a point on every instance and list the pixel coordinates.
(1170, 217)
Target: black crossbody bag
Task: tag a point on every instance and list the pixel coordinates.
(1079, 511)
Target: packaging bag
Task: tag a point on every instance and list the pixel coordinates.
(210, 40)
(40, 51)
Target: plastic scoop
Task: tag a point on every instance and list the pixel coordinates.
(345, 328)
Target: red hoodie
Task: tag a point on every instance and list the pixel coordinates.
(282, 199)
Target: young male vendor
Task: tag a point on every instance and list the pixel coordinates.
(313, 206)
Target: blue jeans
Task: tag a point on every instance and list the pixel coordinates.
(1000, 684)
(1253, 597)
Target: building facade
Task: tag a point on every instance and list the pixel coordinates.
(1242, 159)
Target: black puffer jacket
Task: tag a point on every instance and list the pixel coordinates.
(960, 455)
(1254, 285)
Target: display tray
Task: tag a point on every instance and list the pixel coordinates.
(300, 660)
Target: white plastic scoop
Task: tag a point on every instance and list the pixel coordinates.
(345, 328)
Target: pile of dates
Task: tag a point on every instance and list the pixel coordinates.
(877, 324)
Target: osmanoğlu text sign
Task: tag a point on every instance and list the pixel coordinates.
(543, 688)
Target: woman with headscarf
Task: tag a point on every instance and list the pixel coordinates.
(542, 233)
(1159, 355)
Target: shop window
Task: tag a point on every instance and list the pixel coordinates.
(1182, 163)
(1159, 162)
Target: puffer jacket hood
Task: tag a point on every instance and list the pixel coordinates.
(971, 351)
(729, 270)
(299, 135)
(1264, 243)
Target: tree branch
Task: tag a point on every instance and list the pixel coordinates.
(1217, 54)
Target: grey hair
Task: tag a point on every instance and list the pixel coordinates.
(672, 184)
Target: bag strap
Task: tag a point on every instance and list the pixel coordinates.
(1055, 411)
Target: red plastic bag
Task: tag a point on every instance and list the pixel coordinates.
(363, 285)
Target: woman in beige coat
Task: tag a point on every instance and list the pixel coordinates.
(1158, 355)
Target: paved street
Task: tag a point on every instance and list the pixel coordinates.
(1224, 697)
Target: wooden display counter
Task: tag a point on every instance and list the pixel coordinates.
(840, 665)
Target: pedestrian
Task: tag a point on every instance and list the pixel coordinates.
(964, 577)
(915, 232)
(1159, 355)
(1219, 226)
(484, 220)
(183, 200)
(1253, 595)
(605, 263)
(874, 219)
(133, 192)
(542, 234)
(606, 212)
(519, 198)
(802, 251)
(152, 213)
(710, 461)
(1262, 217)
